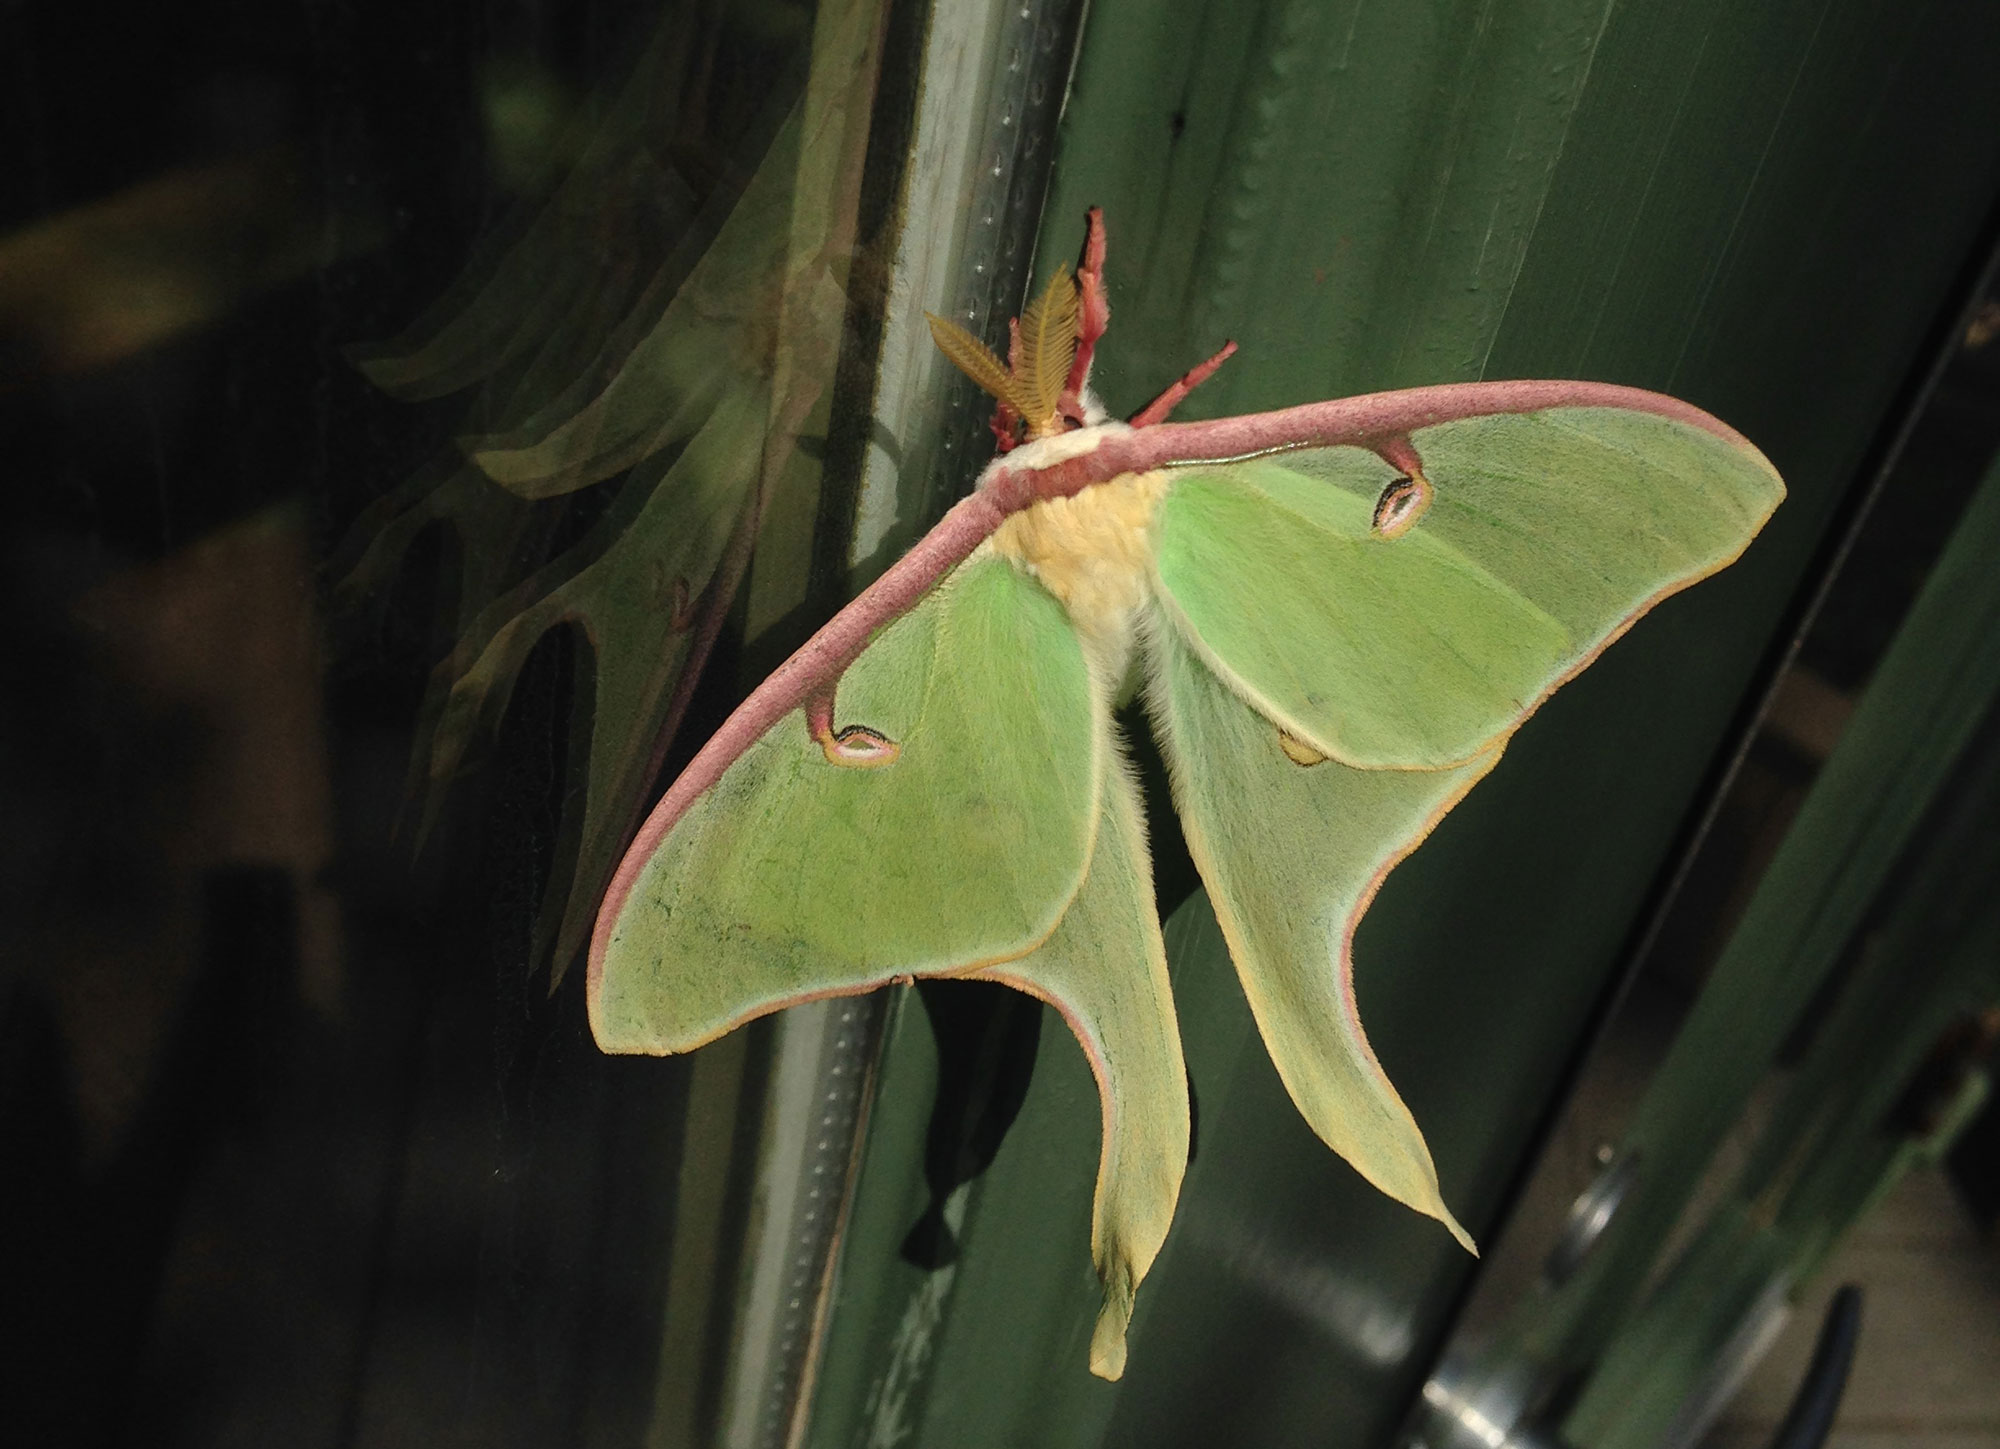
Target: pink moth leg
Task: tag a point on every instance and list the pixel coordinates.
(1156, 411)
(1093, 316)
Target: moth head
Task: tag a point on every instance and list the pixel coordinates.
(1029, 386)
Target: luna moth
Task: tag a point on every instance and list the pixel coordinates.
(1337, 615)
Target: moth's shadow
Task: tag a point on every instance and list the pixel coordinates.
(987, 1036)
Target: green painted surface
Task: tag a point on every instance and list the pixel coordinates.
(1757, 208)
(1899, 843)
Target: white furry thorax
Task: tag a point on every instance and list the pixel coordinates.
(1056, 448)
(1094, 552)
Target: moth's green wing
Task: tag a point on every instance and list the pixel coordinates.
(1548, 534)
(1292, 855)
(1105, 969)
(794, 878)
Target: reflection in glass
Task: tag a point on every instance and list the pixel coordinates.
(684, 391)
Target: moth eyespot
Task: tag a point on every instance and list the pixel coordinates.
(859, 748)
(1298, 751)
(1402, 503)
